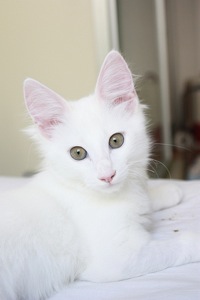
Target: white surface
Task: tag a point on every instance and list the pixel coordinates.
(180, 283)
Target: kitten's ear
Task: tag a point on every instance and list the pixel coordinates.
(45, 107)
(115, 82)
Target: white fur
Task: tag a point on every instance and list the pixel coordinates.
(68, 224)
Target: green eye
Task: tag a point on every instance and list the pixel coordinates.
(116, 140)
(78, 153)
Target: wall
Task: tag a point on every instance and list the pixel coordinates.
(53, 42)
(184, 44)
(137, 31)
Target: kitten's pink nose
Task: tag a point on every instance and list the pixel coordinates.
(108, 179)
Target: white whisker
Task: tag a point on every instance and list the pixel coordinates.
(162, 164)
(172, 145)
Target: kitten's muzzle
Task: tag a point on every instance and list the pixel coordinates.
(105, 171)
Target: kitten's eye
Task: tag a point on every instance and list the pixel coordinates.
(78, 153)
(116, 140)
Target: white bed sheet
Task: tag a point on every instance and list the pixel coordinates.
(179, 283)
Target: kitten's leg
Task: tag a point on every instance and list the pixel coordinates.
(164, 196)
(156, 255)
(160, 255)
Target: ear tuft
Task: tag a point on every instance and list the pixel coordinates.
(45, 107)
(115, 82)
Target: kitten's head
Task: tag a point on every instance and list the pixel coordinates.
(99, 141)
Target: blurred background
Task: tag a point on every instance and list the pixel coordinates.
(62, 44)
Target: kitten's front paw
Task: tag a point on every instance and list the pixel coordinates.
(165, 196)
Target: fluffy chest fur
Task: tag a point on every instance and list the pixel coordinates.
(107, 228)
(98, 215)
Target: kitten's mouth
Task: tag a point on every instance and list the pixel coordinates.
(110, 187)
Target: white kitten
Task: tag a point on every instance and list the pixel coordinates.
(85, 215)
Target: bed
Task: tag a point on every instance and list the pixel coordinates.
(180, 283)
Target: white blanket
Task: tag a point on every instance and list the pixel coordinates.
(180, 283)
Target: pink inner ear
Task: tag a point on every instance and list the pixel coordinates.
(129, 100)
(115, 80)
(46, 127)
(44, 106)
(125, 98)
